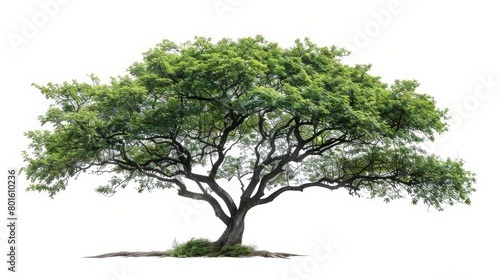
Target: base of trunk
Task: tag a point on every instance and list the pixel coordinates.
(233, 234)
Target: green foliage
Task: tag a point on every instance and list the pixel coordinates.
(274, 119)
(198, 247)
(236, 250)
(193, 248)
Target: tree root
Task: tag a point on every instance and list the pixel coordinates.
(267, 254)
(161, 254)
(130, 254)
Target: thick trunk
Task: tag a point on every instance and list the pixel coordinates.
(233, 234)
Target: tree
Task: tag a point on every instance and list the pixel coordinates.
(268, 119)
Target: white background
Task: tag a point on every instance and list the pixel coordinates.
(450, 47)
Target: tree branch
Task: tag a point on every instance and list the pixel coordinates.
(322, 183)
(216, 188)
(219, 212)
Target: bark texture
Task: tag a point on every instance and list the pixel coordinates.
(233, 234)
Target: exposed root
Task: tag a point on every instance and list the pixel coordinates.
(261, 253)
(131, 254)
(267, 254)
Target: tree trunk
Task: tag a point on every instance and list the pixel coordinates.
(233, 234)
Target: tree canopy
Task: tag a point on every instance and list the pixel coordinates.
(267, 118)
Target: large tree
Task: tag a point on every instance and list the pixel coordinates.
(265, 118)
